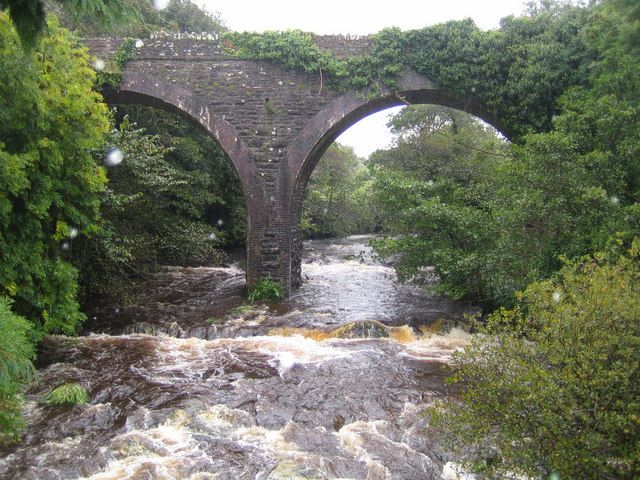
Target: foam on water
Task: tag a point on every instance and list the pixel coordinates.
(438, 347)
(370, 442)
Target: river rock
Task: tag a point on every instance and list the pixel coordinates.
(362, 329)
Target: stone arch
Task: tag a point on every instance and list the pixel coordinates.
(149, 91)
(343, 112)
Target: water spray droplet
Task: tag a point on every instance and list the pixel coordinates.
(557, 296)
(160, 4)
(116, 311)
(220, 222)
(64, 246)
(98, 64)
(139, 43)
(615, 200)
(114, 157)
(73, 232)
(272, 198)
(212, 236)
(473, 89)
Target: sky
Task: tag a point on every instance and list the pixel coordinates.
(358, 17)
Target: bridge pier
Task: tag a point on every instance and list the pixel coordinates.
(268, 243)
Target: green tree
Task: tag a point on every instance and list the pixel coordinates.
(189, 149)
(553, 386)
(433, 188)
(16, 352)
(50, 123)
(338, 200)
(140, 19)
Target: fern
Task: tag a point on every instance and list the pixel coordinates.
(17, 349)
(67, 394)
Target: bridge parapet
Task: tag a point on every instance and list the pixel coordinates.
(209, 46)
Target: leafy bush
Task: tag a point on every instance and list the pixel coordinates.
(266, 290)
(67, 394)
(50, 122)
(553, 385)
(17, 339)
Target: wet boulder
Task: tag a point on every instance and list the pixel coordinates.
(362, 329)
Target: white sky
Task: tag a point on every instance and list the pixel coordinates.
(359, 17)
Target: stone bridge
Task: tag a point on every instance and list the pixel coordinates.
(273, 123)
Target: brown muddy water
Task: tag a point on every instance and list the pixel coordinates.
(188, 384)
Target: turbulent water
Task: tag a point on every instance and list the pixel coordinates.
(186, 385)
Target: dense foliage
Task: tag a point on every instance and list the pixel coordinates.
(493, 221)
(517, 71)
(50, 121)
(490, 217)
(553, 385)
(189, 149)
(163, 207)
(433, 190)
(339, 200)
(140, 18)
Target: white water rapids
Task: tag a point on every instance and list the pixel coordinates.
(185, 387)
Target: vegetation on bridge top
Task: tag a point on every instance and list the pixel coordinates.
(517, 71)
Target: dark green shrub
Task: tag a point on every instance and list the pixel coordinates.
(266, 290)
(553, 386)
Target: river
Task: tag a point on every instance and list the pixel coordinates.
(189, 384)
